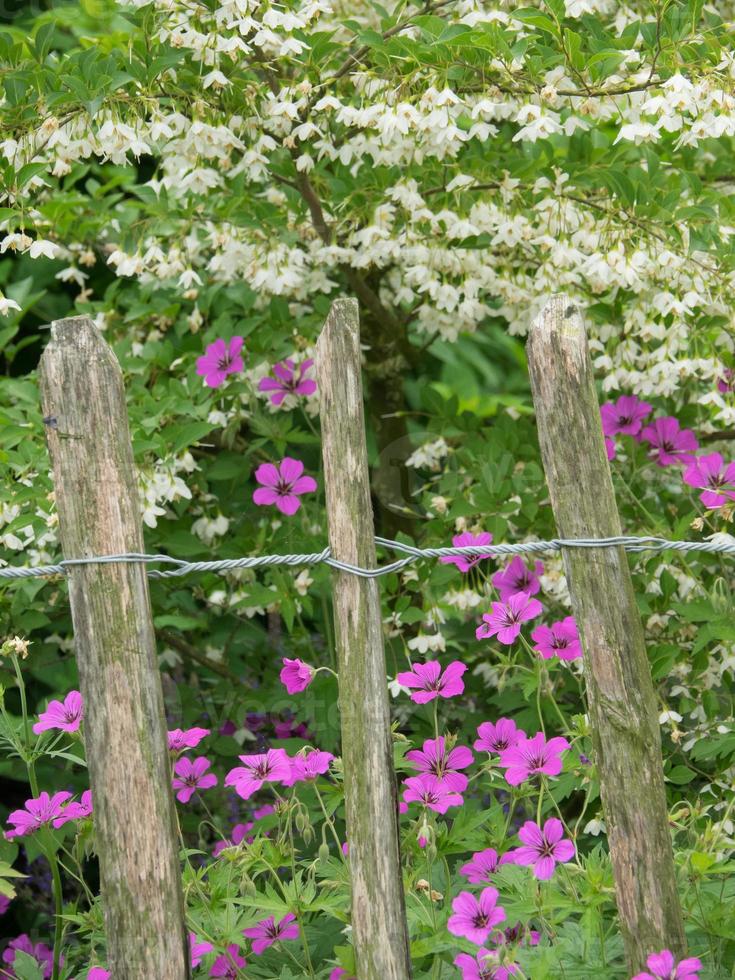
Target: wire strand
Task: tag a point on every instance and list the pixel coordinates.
(723, 545)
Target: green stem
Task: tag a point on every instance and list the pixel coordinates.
(58, 911)
(540, 801)
(330, 823)
(78, 877)
(30, 764)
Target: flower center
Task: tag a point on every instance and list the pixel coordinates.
(283, 488)
(223, 363)
(480, 921)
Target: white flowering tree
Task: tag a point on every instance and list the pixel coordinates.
(187, 172)
(447, 163)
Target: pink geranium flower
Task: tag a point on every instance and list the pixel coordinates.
(289, 729)
(506, 618)
(663, 966)
(483, 864)
(558, 640)
(198, 950)
(229, 964)
(220, 360)
(483, 966)
(191, 776)
(715, 478)
(625, 416)
(99, 973)
(39, 951)
(268, 931)
(531, 757)
(431, 682)
(726, 382)
(669, 444)
(274, 766)
(610, 450)
(179, 741)
(544, 848)
(518, 577)
(466, 540)
(4, 904)
(240, 830)
(76, 811)
(306, 767)
(499, 736)
(338, 973)
(38, 813)
(290, 379)
(296, 675)
(66, 716)
(237, 836)
(475, 918)
(282, 485)
(518, 933)
(430, 792)
(437, 761)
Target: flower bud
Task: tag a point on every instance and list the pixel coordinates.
(301, 820)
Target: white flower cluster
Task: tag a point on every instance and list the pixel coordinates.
(162, 484)
(536, 237)
(429, 455)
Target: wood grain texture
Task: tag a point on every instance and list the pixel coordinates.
(125, 732)
(378, 909)
(622, 704)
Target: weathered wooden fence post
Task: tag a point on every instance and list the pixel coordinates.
(622, 705)
(378, 906)
(125, 734)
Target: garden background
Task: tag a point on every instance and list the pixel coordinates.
(191, 174)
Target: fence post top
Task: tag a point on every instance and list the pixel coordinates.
(559, 314)
(557, 345)
(80, 339)
(344, 306)
(71, 327)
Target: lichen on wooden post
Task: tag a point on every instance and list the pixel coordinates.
(622, 703)
(125, 733)
(378, 907)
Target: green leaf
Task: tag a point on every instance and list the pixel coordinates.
(536, 18)
(29, 171)
(42, 40)
(681, 775)
(26, 967)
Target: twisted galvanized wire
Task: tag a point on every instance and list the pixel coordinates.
(324, 557)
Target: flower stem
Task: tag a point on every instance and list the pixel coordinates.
(30, 764)
(58, 911)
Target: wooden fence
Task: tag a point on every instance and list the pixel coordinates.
(137, 841)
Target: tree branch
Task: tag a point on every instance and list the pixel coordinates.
(191, 653)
